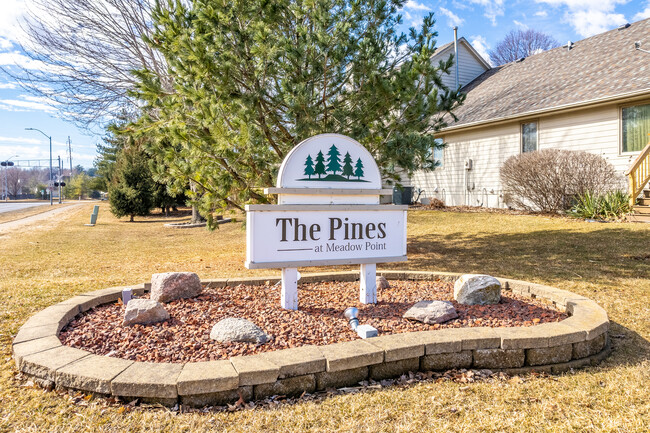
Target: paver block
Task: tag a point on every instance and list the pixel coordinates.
(549, 355)
(290, 387)
(44, 364)
(387, 370)
(474, 338)
(255, 369)
(499, 358)
(148, 379)
(220, 398)
(60, 315)
(593, 325)
(558, 333)
(446, 361)
(297, 361)
(589, 347)
(337, 379)
(400, 346)
(522, 337)
(92, 373)
(215, 283)
(351, 354)
(440, 341)
(20, 350)
(207, 377)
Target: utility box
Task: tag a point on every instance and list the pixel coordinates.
(403, 195)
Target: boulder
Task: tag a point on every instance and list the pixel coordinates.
(431, 312)
(382, 283)
(168, 286)
(477, 289)
(144, 311)
(234, 329)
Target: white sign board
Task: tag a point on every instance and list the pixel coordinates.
(328, 213)
(324, 235)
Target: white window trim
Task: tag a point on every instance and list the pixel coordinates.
(521, 134)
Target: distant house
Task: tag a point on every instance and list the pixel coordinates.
(591, 95)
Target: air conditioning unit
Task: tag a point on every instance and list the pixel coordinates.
(468, 164)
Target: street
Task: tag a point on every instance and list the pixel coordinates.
(9, 206)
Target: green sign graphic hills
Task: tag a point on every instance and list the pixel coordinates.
(322, 173)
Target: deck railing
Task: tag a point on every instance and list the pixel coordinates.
(639, 174)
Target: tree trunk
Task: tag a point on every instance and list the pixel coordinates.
(196, 216)
(131, 220)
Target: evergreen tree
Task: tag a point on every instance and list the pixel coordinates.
(131, 189)
(309, 166)
(347, 167)
(359, 169)
(333, 160)
(320, 167)
(254, 77)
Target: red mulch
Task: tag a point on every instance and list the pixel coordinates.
(185, 337)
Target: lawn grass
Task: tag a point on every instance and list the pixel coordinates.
(609, 263)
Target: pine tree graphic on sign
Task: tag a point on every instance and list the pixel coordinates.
(347, 165)
(333, 161)
(309, 166)
(359, 171)
(320, 167)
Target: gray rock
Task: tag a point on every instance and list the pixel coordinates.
(144, 311)
(477, 289)
(431, 312)
(234, 329)
(382, 283)
(169, 286)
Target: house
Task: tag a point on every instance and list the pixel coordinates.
(591, 95)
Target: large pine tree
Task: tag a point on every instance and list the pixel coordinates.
(253, 78)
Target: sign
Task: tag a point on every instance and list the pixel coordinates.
(324, 235)
(328, 213)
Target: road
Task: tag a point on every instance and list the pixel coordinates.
(44, 218)
(9, 206)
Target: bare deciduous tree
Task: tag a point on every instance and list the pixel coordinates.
(521, 43)
(87, 50)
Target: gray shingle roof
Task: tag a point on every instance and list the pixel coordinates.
(600, 67)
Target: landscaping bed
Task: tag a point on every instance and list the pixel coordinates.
(185, 337)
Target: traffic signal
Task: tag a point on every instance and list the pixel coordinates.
(7, 163)
(59, 183)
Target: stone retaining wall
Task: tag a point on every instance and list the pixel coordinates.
(577, 341)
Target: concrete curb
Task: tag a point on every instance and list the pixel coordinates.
(580, 340)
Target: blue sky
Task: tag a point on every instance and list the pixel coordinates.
(482, 22)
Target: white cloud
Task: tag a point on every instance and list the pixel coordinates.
(7, 86)
(15, 58)
(12, 11)
(22, 104)
(520, 25)
(589, 17)
(5, 44)
(452, 18)
(643, 14)
(492, 9)
(20, 140)
(542, 14)
(413, 5)
(481, 46)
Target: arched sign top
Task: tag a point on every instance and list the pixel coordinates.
(329, 161)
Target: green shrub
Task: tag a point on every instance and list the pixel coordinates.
(612, 205)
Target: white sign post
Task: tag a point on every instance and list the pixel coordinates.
(328, 213)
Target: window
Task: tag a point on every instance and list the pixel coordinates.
(636, 127)
(438, 154)
(528, 137)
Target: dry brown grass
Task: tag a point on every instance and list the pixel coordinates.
(608, 262)
(27, 212)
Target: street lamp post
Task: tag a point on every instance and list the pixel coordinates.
(50, 186)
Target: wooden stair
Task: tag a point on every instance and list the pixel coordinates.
(641, 210)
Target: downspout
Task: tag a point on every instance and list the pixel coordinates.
(456, 54)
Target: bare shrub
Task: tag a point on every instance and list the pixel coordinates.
(436, 203)
(550, 180)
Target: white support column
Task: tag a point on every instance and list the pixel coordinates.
(368, 282)
(289, 297)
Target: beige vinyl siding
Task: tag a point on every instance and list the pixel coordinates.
(468, 66)
(594, 130)
(487, 148)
